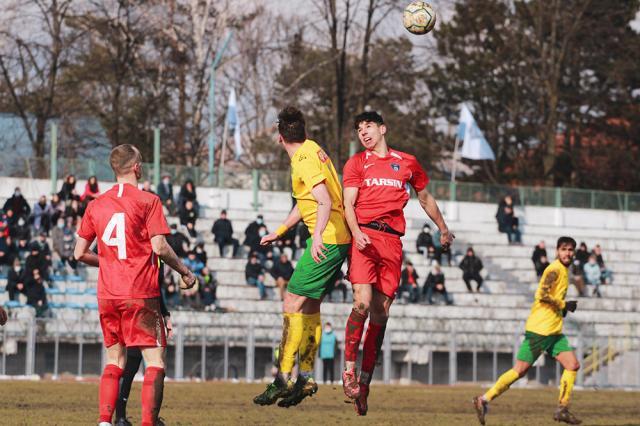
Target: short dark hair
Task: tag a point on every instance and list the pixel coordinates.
(566, 240)
(368, 116)
(291, 125)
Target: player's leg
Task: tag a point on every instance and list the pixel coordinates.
(153, 384)
(110, 321)
(134, 359)
(564, 355)
(362, 295)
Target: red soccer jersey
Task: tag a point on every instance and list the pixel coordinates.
(382, 184)
(125, 219)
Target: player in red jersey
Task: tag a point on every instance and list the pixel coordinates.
(375, 192)
(130, 229)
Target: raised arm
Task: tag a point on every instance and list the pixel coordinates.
(430, 207)
(164, 251)
(82, 252)
(360, 239)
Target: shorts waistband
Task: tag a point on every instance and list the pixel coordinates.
(379, 225)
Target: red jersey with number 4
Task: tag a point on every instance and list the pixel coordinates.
(125, 219)
(382, 184)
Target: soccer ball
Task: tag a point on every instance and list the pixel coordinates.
(419, 17)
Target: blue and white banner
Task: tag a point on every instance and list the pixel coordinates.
(234, 122)
(474, 144)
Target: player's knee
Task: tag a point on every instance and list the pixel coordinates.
(573, 366)
(361, 307)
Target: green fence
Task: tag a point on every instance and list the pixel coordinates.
(269, 180)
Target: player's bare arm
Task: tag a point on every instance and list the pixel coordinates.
(429, 205)
(164, 251)
(82, 252)
(360, 239)
(292, 219)
(321, 194)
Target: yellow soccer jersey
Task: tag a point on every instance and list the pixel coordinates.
(310, 166)
(546, 313)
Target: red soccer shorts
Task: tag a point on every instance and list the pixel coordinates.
(380, 263)
(132, 322)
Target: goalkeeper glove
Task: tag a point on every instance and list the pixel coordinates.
(569, 306)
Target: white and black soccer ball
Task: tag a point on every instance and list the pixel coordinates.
(419, 17)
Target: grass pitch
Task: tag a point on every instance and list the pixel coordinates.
(67, 403)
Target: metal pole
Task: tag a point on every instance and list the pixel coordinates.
(386, 371)
(410, 364)
(557, 374)
(179, 358)
(203, 355)
(454, 159)
(494, 376)
(4, 351)
(580, 355)
(222, 154)
(56, 353)
(453, 360)
(250, 352)
(54, 157)
(156, 157)
(225, 362)
(475, 364)
(31, 348)
(80, 353)
(352, 148)
(430, 366)
(255, 177)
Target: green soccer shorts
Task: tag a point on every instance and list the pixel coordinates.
(535, 344)
(314, 280)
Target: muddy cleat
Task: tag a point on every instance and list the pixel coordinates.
(123, 422)
(360, 403)
(350, 384)
(277, 389)
(563, 414)
(481, 407)
(303, 388)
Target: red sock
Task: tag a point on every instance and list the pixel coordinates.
(109, 384)
(372, 344)
(152, 388)
(353, 335)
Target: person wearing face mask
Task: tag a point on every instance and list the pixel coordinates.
(424, 243)
(251, 233)
(15, 280)
(17, 204)
(328, 346)
(178, 242)
(42, 213)
(165, 192)
(21, 230)
(592, 274)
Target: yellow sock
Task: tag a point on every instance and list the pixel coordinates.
(566, 386)
(502, 384)
(310, 342)
(291, 336)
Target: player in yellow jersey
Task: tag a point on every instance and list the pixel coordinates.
(543, 333)
(317, 190)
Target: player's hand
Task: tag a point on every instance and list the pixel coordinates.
(188, 280)
(361, 240)
(169, 326)
(446, 239)
(571, 305)
(318, 249)
(3, 316)
(268, 239)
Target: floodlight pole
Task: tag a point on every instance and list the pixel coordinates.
(212, 104)
(54, 158)
(156, 157)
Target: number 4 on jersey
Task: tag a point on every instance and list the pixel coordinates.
(119, 241)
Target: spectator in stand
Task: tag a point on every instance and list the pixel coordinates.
(193, 263)
(35, 292)
(170, 290)
(340, 285)
(251, 234)
(439, 251)
(193, 235)
(435, 284)
(74, 210)
(56, 206)
(582, 255)
(208, 289)
(36, 260)
(15, 280)
(23, 249)
(63, 244)
(178, 242)
(265, 252)
(328, 349)
(21, 230)
(222, 231)
(471, 267)
(4, 226)
(254, 274)
(91, 190)
(201, 253)
(165, 192)
(42, 213)
(18, 205)
(424, 243)
(8, 251)
(606, 275)
(539, 252)
(287, 243)
(187, 193)
(43, 246)
(282, 271)
(146, 187)
(188, 214)
(592, 274)
(68, 190)
(409, 282)
(190, 298)
(507, 222)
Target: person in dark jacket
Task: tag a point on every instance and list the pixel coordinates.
(424, 243)
(471, 267)
(36, 261)
(222, 231)
(68, 190)
(251, 237)
(507, 222)
(18, 205)
(36, 294)
(538, 253)
(187, 193)
(15, 280)
(165, 192)
(178, 241)
(188, 214)
(254, 274)
(208, 288)
(8, 251)
(282, 271)
(21, 230)
(435, 284)
(409, 282)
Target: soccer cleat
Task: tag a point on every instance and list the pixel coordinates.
(563, 414)
(303, 388)
(360, 403)
(350, 384)
(277, 389)
(481, 406)
(122, 422)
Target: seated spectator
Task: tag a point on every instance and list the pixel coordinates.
(36, 260)
(287, 243)
(507, 222)
(592, 274)
(165, 192)
(56, 206)
(265, 253)
(74, 211)
(222, 231)
(254, 274)
(439, 251)
(471, 267)
(68, 190)
(188, 214)
(43, 246)
(42, 213)
(424, 243)
(8, 251)
(35, 292)
(146, 187)
(582, 255)
(606, 276)
(251, 234)
(64, 241)
(201, 254)
(409, 282)
(539, 252)
(15, 280)
(193, 263)
(21, 230)
(282, 271)
(170, 290)
(341, 286)
(208, 289)
(18, 205)
(435, 284)
(23, 249)
(190, 297)
(187, 193)
(178, 242)
(91, 190)
(193, 235)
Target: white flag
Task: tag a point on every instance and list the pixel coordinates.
(234, 122)
(474, 144)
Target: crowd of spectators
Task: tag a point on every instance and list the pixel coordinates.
(433, 285)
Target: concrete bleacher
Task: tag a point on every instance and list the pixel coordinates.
(487, 320)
